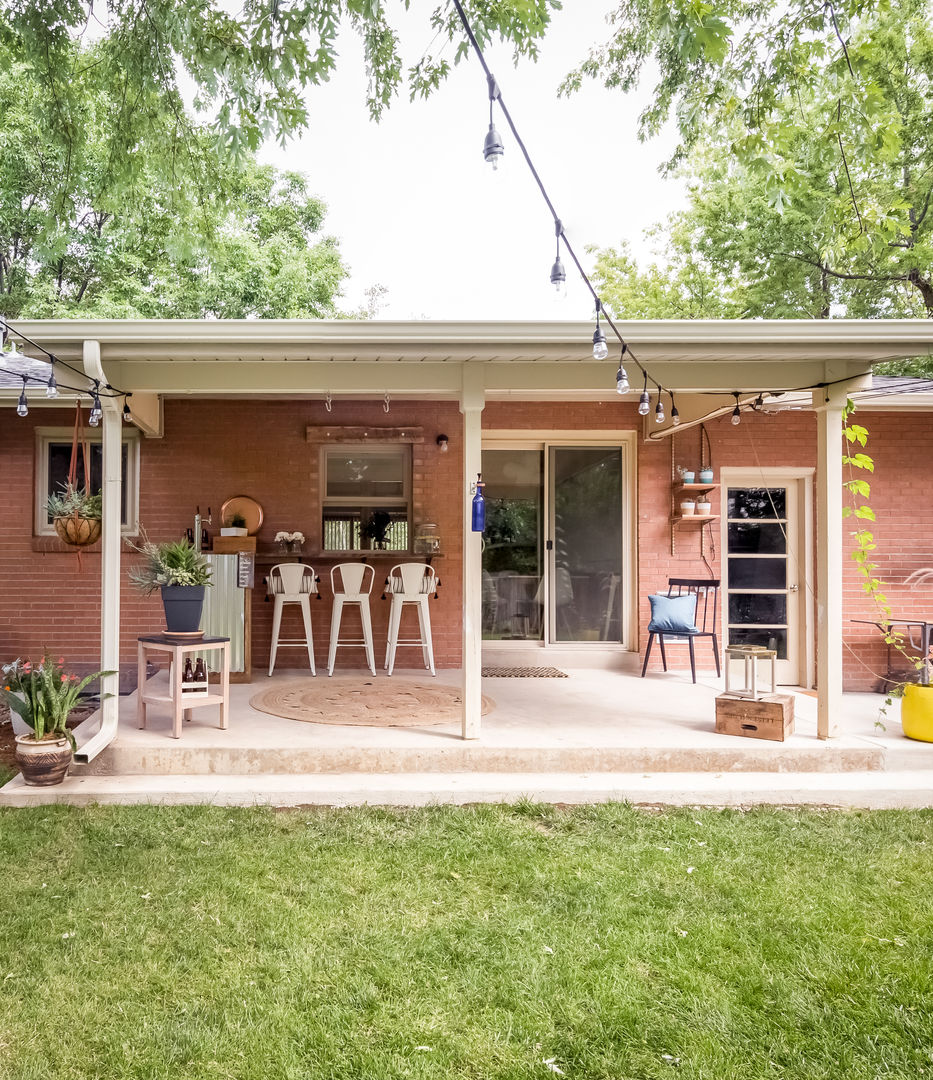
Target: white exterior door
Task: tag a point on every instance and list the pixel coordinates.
(764, 546)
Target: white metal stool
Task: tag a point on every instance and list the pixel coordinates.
(292, 583)
(751, 654)
(411, 583)
(351, 583)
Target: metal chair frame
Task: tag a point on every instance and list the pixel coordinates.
(707, 594)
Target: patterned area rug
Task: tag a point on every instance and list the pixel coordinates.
(524, 673)
(365, 703)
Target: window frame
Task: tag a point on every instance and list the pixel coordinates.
(367, 503)
(45, 437)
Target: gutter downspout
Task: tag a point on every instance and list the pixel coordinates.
(112, 435)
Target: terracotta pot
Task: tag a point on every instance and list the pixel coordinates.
(78, 531)
(43, 763)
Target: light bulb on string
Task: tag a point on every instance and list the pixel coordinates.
(51, 390)
(622, 384)
(659, 408)
(600, 348)
(493, 150)
(96, 411)
(736, 413)
(675, 415)
(22, 406)
(127, 415)
(644, 402)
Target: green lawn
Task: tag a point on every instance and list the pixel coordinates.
(480, 943)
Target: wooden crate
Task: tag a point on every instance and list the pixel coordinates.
(230, 545)
(770, 717)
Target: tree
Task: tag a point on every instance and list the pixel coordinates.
(812, 165)
(180, 234)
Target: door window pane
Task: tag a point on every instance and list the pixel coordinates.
(587, 594)
(757, 608)
(757, 573)
(513, 556)
(767, 637)
(757, 502)
(756, 538)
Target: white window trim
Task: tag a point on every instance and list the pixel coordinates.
(47, 435)
(367, 450)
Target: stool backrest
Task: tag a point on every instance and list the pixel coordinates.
(292, 579)
(411, 579)
(352, 579)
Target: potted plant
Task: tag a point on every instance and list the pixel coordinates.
(376, 530)
(687, 507)
(76, 515)
(43, 696)
(704, 507)
(181, 572)
(235, 526)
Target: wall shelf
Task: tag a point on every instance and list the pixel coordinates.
(696, 488)
(687, 519)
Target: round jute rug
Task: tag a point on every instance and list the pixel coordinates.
(364, 702)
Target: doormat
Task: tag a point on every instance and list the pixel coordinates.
(524, 673)
(365, 702)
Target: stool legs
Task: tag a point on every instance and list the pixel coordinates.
(367, 641)
(306, 618)
(304, 603)
(276, 624)
(334, 633)
(425, 639)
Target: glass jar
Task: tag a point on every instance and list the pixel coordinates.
(427, 541)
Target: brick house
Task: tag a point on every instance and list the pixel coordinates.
(583, 493)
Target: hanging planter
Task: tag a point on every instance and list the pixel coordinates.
(76, 516)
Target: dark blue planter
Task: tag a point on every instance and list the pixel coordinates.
(182, 605)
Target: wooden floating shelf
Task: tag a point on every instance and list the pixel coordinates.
(697, 487)
(687, 518)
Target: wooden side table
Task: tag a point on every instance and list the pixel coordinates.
(181, 702)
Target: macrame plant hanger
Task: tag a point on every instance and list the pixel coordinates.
(75, 530)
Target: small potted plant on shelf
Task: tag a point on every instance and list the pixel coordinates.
(235, 526)
(76, 515)
(376, 530)
(687, 507)
(43, 696)
(181, 573)
(687, 476)
(704, 507)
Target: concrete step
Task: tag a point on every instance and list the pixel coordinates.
(173, 758)
(871, 790)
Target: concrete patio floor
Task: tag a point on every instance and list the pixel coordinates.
(595, 735)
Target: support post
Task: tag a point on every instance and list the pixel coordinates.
(829, 405)
(111, 537)
(472, 401)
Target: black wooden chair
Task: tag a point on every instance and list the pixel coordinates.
(707, 609)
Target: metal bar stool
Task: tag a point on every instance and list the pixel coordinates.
(292, 583)
(411, 583)
(351, 583)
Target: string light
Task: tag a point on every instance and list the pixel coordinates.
(96, 411)
(22, 406)
(558, 273)
(600, 348)
(675, 415)
(644, 402)
(736, 412)
(127, 415)
(493, 150)
(659, 409)
(51, 390)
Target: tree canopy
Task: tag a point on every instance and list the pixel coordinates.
(168, 229)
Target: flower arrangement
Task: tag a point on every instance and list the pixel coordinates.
(173, 562)
(44, 695)
(289, 541)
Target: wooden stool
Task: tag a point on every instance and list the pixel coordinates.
(751, 654)
(182, 701)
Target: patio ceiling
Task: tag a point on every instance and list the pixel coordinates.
(275, 357)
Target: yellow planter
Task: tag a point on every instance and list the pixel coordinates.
(917, 712)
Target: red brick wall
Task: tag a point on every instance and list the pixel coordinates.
(215, 449)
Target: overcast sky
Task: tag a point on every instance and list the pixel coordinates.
(418, 211)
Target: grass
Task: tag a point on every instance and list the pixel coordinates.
(487, 943)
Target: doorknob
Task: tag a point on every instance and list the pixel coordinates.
(791, 588)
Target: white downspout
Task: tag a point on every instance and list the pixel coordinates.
(111, 538)
(472, 400)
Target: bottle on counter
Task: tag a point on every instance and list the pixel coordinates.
(187, 675)
(200, 671)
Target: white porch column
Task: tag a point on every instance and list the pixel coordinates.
(472, 400)
(111, 538)
(829, 554)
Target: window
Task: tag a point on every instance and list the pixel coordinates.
(366, 498)
(53, 458)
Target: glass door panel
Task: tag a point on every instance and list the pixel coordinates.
(513, 543)
(586, 543)
(761, 606)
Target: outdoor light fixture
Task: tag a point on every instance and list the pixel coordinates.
(644, 402)
(659, 409)
(96, 411)
(51, 391)
(492, 147)
(127, 415)
(736, 413)
(442, 443)
(675, 415)
(622, 386)
(600, 348)
(22, 406)
(558, 274)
